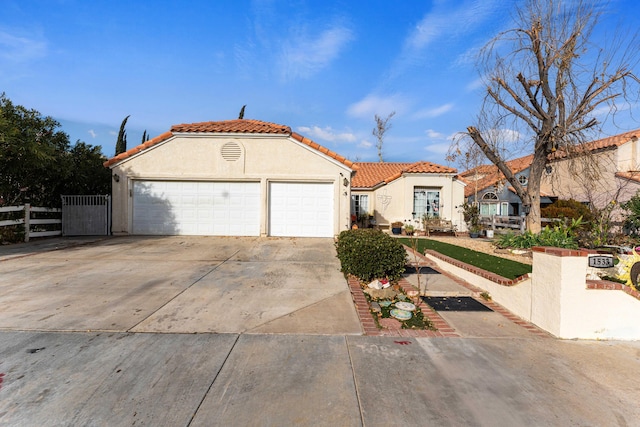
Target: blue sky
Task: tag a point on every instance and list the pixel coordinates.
(322, 68)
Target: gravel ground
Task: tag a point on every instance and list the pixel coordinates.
(483, 245)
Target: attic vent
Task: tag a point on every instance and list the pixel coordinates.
(231, 151)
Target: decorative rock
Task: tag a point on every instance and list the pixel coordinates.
(407, 306)
(375, 285)
(412, 294)
(384, 303)
(375, 307)
(401, 314)
(387, 293)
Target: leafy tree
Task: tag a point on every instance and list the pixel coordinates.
(241, 114)
(37, 164)
(544, 79)
(145, 137)
(121, 143)
(382, 126)
(86, 174)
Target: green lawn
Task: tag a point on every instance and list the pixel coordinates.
(501, 266)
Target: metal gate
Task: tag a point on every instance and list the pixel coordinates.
(86, 215)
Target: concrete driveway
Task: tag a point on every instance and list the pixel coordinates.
(178, 285)
(68, 355)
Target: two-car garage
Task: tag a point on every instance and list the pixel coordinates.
(232, 208)
(230, 178)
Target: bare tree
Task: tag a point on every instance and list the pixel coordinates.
(468, 156)
(382, 126)
(545, 79)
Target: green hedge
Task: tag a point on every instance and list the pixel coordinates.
(371, 254)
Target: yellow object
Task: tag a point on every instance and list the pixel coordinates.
(627, 265)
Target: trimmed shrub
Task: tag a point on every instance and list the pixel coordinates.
(567, 209)
(559, 236)
(371, 254)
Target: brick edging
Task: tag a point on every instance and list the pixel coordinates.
(477, 271)
(489, 303)
(613, 286)
(371, 329)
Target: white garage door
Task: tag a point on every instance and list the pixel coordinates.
(196, 208)
(301, 209)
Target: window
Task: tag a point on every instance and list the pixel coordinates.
(489, 205)
(426, 201)
(359, 204)
(523, 179)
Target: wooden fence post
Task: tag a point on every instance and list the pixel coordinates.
(27, 221)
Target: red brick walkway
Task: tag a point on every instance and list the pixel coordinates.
(443, 328)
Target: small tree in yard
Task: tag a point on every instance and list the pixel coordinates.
(545, 79)
(382, 126)
(121, 142)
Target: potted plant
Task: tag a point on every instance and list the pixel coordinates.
(396, 227)
(471, 216)
(409, 229)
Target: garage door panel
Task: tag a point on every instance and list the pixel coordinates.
(301, 209)
(196, 208)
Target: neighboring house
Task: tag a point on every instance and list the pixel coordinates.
(231, 178)
(390, 192)
(613, 175)
(487, 185)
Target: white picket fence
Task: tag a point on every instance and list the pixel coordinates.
(29, 222)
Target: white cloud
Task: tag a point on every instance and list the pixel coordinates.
(302, 55)
(92, 133)
(326, 134)
(373, 104)
(439, 148)
(432, 112)
(504, 136)
(18, 49)
(365, 144)
(435, 135)
(444, 21)
(475, 85)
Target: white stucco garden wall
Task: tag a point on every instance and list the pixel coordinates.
(556, 298)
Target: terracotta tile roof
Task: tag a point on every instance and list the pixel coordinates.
(232, 126)
(600, 144)
(369, 175)
(631, 175)
(491, 174)
(229, 126)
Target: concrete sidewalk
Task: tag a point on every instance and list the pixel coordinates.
(120, 379)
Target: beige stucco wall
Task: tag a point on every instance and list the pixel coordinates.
(564, 306)
(574, 181)
(197, 157)
(394, 201)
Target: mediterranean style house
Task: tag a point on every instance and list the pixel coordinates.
(611, 176)
(405, 192)
(254, 178)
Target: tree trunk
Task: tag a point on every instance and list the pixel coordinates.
(532, 195)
